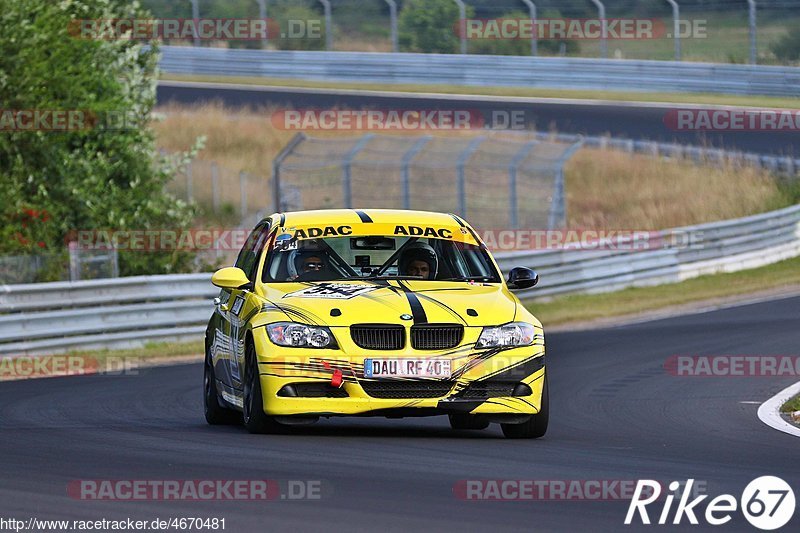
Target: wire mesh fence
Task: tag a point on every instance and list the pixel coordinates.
(495, 181)
(728, 31)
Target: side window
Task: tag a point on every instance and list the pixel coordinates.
(248, 257)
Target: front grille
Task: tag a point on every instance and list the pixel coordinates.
(488, 389)
(407, 389)
(378, 336)
(436, 336)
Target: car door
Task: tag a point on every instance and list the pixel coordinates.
(241, 303)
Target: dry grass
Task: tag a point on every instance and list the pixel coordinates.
(605, 188)
(615, 190)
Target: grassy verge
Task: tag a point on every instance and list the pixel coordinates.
(585, 307)
(620, 96)
(792, 405)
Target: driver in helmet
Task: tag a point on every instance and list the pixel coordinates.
(418, 260)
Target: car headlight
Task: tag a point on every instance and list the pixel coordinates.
(300, 335)
(507, 336)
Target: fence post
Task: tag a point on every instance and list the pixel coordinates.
(516, 161)
(347, 164)
(463, 157)
(393, 23)
(601, 12)
(558, 207)
(751, 4)
(404, 175)
(276, 169)
(196, 17)
(534, 34)
(462, 24)
(262, 14)
(214, 187)
(243, 193)
(676, 27)
(326, 4)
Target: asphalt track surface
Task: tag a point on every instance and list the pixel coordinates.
(624, 120)
(615, 414)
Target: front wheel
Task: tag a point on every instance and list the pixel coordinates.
(536, 426)
(255, 419)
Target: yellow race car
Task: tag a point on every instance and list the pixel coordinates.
(372, 313)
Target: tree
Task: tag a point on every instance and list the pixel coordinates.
(107, 173)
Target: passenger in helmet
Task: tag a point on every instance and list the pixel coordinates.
(419, 260)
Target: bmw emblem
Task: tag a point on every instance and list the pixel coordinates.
(405, 317)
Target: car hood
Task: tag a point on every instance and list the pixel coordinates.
(391, 302)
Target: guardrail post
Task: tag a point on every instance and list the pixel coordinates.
(463, 157)
(513, 203)
(393, 24)
(558, 207)
(276, 169)
(196, 17)
(326, 4)
(404, 175)
(347, 190)
(462, 24)
(751, 5)
(601, 12)
(676, 27)
(262, 14)
(535, 34)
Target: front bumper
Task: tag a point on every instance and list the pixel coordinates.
(485, 382)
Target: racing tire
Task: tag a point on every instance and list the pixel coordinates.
(215, 413)
(467, 421)
(536, 426)
(255, 419)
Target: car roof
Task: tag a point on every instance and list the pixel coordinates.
(325, 217)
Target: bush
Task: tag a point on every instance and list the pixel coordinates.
(95, 177)
(787, 48)
(313, 37)
(430, 26)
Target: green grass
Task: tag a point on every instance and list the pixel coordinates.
(622, 96)
(584, 307)
(792, 405)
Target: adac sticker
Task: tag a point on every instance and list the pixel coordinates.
(334, 291)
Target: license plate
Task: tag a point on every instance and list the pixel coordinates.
(407, 368)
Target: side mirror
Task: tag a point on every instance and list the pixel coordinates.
(522, 278)
(229, 278)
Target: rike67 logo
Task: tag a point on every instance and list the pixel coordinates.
(767, 502)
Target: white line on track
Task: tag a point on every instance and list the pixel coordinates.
(769, 412)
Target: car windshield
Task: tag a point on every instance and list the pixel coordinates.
(377, 257)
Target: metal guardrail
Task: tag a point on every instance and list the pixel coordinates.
(484, 70)
(49, 317)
